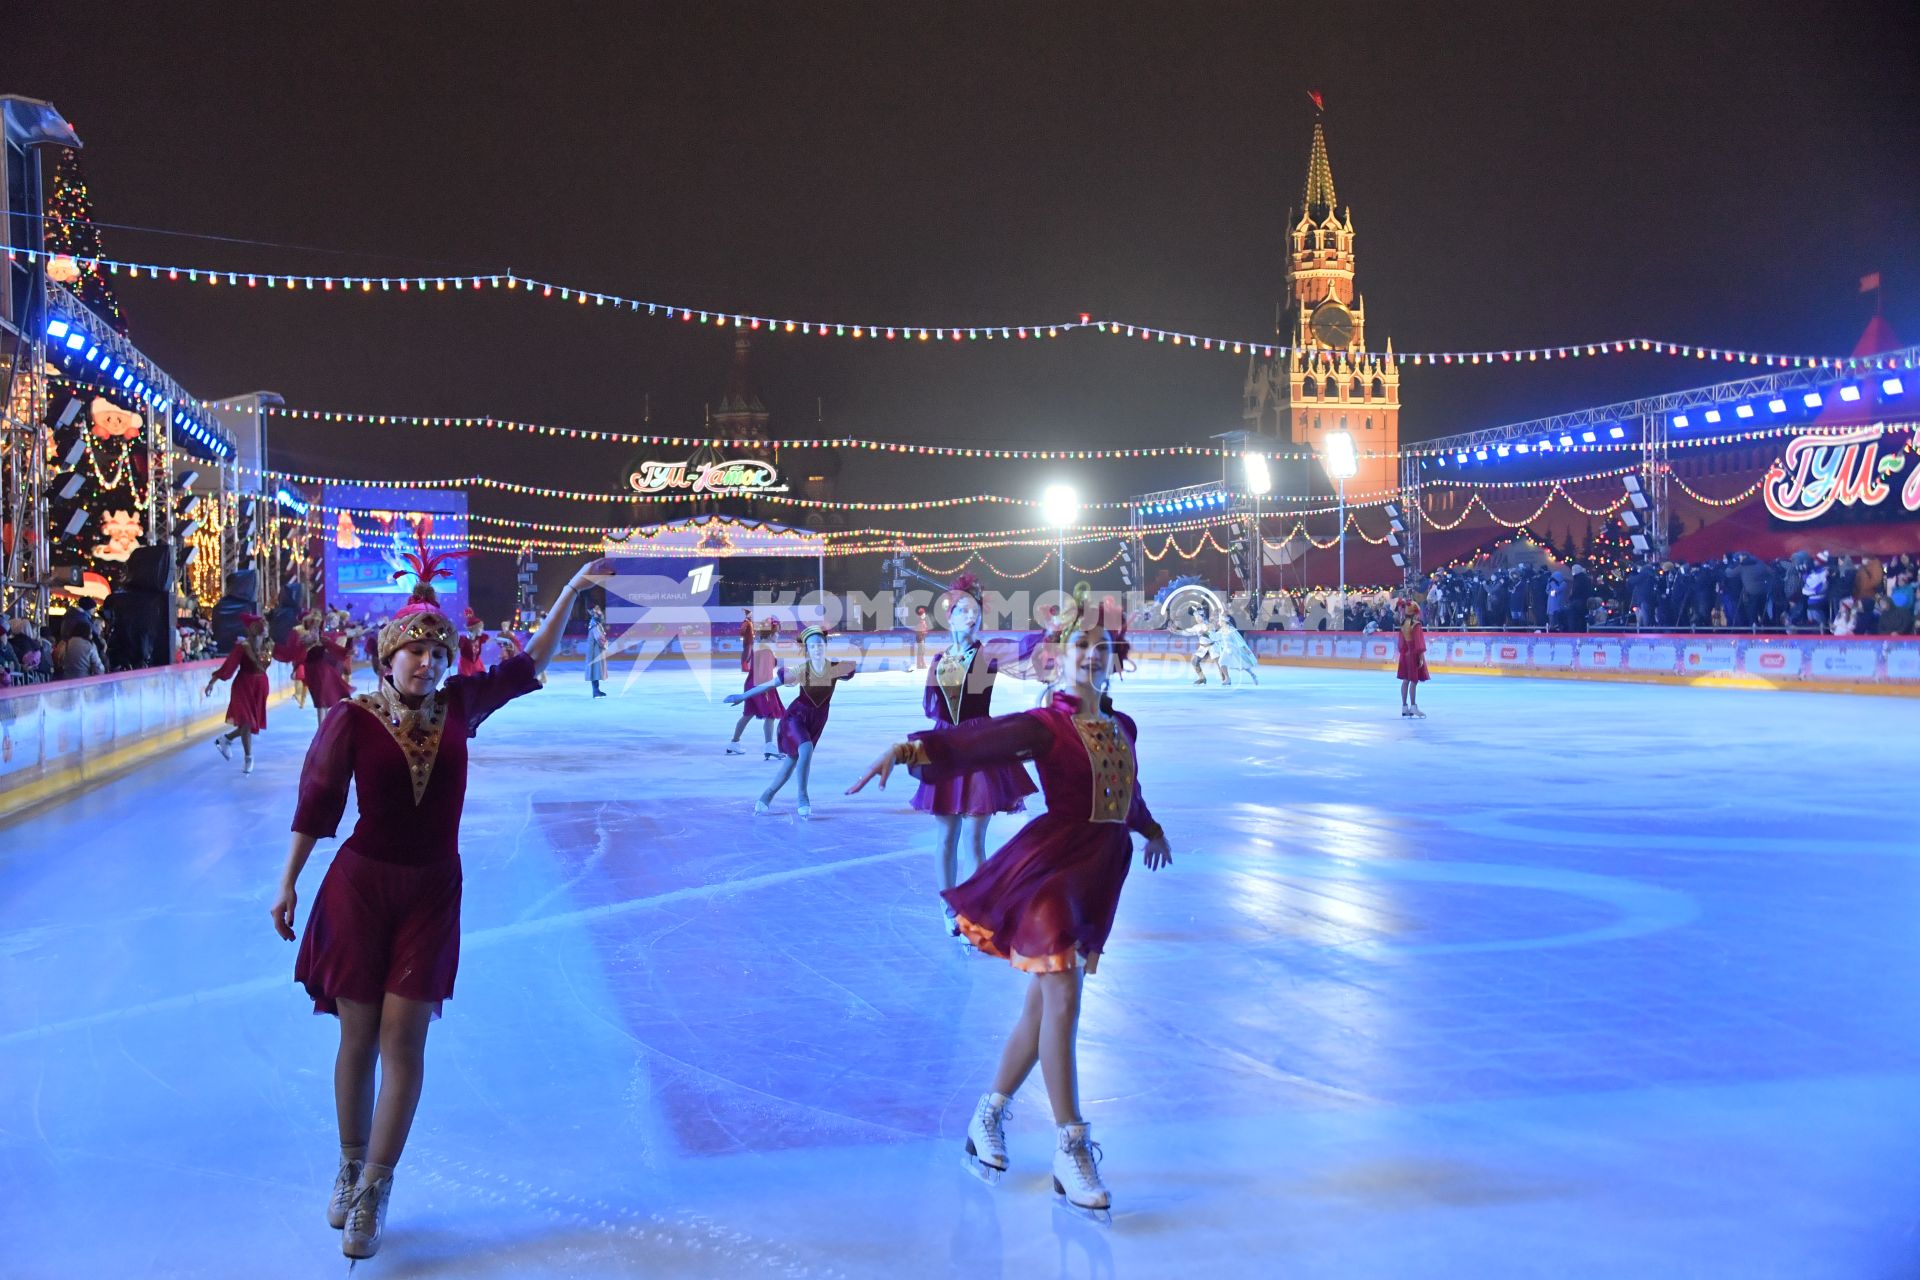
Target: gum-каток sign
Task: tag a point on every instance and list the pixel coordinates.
(735, 477)
(1865, 473)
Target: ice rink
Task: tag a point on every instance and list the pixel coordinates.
(1570, 979)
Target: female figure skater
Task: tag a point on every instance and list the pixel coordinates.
(325, 669)
(596, 649)
(246, 665)
(382, 941)
(1045, 901)
(766, 707)
(472, 643)
(960, 689)
(293, 652)
(1413, 659)
(805, 718)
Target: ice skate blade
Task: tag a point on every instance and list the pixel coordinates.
(985, 1172)
(1101, 1217)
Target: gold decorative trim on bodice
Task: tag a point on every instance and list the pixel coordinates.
(415, 730)
(951, 673)
(1111, 757)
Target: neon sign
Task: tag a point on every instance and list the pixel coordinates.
(1856, 468)
(740, 477)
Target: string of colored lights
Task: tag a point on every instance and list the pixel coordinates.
(299, 282)
(1732, 501)
(862, 444)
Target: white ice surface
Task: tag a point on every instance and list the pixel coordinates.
(1567, 980)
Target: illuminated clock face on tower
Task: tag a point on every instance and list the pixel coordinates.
(1333, 326)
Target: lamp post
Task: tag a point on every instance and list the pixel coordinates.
(1337, 455)
(1060, 506)
(1259, 484)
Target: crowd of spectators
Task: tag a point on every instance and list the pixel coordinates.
(1838, 595)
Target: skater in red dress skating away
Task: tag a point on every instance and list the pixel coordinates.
(1045, 902)
(805, 718)
(246, 665)
(959, 689)
(382, 939)
(1413, 659)
(475, 639)
(761, 668)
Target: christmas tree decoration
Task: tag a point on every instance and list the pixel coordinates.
(73, 241)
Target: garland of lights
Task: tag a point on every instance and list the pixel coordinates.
(1733, 501)
(298, 282)
(856, 443)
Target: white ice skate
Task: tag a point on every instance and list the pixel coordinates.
(1076, 1175)
(366, 1218)
(806, 809)
(734, 749)
(986, 1157)
(341, 1200)
(247, 767)
(224, 747)
(761, 806)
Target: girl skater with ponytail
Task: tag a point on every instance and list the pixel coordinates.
(1045, 902)
(382, 940)
(246, 664)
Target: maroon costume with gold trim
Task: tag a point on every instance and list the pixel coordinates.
(1047, 899)
(960, 689)
(387, 915)
(805, 718)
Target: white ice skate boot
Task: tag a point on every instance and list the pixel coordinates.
(1076, 1174)
(247, 767)
(987, 1138)
(344, 1184)
(367, 1217)
(224, 747)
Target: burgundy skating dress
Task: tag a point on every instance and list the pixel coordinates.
(1046, 899)
(960, 689)
(1413, 651)
(806, 716)
(247, 700)
(326, 673)
(293, 652)
(764, 706)
(470, 661)
(387, 915)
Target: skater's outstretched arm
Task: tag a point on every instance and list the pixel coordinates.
(547, 638)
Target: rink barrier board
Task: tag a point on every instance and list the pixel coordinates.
(1821, 664)
(58, 738)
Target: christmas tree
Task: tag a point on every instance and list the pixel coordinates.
(1612, 554)
(72, 234)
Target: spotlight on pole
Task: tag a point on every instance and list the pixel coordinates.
(1259, 478)
(1342, 463)
(1060, 507)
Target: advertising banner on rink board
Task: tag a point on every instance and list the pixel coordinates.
(1783, 660)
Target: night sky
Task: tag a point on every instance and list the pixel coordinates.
(1519, 174)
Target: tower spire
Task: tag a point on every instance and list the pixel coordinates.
(1319, 196)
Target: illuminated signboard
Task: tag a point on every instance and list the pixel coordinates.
(1865, 473)
(740, 477)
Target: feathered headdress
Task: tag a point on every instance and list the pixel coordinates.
(966, 585)
(427, 567)
(422, 617)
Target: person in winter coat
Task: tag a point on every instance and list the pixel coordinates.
(1814, 587)
(76, 656)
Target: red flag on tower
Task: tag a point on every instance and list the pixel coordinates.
(1318, 105)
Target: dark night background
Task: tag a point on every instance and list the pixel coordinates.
(1519, 174)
